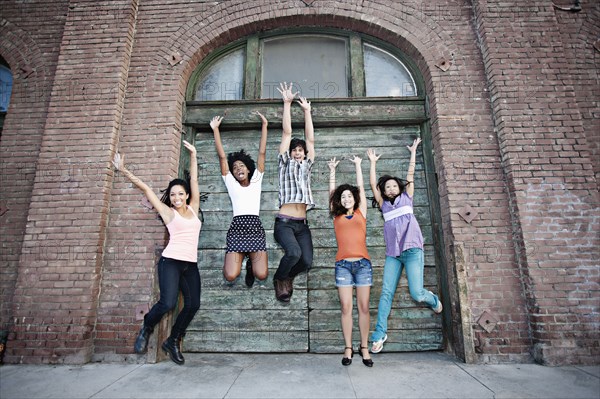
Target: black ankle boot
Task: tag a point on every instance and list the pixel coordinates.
(141, 342)
(249, 273)
(171, 346)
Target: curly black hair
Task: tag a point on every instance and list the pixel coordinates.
(335, 199)
(243, 157)
(381, 186)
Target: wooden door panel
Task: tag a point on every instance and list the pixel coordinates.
(235, 318)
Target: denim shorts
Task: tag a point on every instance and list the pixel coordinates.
(353, 274)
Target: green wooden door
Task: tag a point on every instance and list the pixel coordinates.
(235, 318)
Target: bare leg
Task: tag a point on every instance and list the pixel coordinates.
(362, 302)
(345, 294)
(233, 265)
(260, 264)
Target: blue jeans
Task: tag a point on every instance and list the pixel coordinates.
(175, 275)
(296, 240)
(353, 274)
(413, 260)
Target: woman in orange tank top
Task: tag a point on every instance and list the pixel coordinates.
(348, 207)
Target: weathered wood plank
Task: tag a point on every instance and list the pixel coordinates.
(322, 280)
(322, 238)
(212, 279)
(326, 112)
(406, 319)
(398, 340)
(246, 341)
(209, 259)
(252, 320)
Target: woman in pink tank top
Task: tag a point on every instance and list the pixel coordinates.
(178, 265)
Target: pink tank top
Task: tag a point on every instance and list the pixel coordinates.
(183, 238)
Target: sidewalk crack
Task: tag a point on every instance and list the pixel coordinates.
(476, 379)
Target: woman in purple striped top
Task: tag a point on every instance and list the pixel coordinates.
(403, 242)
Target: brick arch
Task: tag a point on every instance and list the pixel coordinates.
(26, 60)
(199, 36)
(416, 46)
(422, 39)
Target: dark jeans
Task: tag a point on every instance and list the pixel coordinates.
(175, 275)
(295, 239)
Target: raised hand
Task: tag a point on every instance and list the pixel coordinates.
(373, 157)
(262, 117)
(304, 103)
(215, 122)
(191, 148)
(286, 92)
(356, 160)
(119, 162)
(332, 163)
(414, 145)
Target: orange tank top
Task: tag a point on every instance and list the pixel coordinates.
(351, 236)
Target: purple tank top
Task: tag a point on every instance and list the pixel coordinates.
(403, 232)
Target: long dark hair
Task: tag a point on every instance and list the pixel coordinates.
(381, 186)
(335, 199)
(185, 183)
(243, 157)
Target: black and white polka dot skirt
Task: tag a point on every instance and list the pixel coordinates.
(246, 234)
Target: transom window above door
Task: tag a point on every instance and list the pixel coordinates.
(320, 65)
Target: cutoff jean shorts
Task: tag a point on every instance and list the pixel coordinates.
(358, 273)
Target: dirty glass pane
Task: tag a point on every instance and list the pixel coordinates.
(386, 75)
(317, 65)
(224, 80)
(6, 82)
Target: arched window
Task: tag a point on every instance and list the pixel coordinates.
(6, 82)
(320, 66)
(223, 80)
(386, 75)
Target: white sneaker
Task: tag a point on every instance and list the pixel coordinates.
(378, 345)
(439, 307)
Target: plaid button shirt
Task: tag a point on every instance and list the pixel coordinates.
(294, 181)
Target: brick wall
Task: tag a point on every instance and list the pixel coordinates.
(30, 37)
(554, 200)
(508, 137)
(580, 37)
(55, 301)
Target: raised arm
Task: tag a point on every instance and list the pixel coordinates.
(332, 165)
(410, 187)
(163, 210)
(309, 131)
(373, 158)
(215, 122)
(361, 185)
(262, 147)
(288, 97)
(195, 192)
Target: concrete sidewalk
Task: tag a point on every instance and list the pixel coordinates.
(394, 375)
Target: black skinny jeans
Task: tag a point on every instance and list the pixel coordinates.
(296, 240)
(175, 275)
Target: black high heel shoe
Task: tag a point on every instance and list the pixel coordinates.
(366, 362)
(347, 361)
